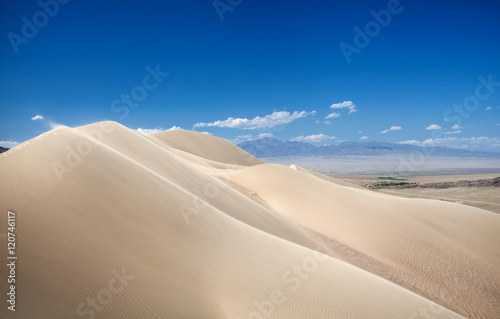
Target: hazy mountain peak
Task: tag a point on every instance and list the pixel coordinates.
(270, 147)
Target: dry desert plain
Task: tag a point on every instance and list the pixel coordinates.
(111, 223)
(461, 189)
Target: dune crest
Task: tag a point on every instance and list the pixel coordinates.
(115, 224)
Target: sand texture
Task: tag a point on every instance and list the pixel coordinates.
(111, 223)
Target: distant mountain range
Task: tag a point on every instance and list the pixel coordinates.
(3, 149)
(270, 147)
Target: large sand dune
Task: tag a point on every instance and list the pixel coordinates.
(111, 223)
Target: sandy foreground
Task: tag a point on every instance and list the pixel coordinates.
(111, 223)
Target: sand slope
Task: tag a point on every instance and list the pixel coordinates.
(444, 251)
(115, 224)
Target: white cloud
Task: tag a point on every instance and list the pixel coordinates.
(346, 104)
(440, 141)
(174, 128)
(411, 142)
(332, 115)
(37, 117)
(363, 138)
(360, 132)
(456, 127)
(456, 142)
(488, 108)
(206, 133)
(315, 138)
(54, 125)
(265, 135)
(433, 127)
(249, 137)
(246, 137)
(241, 138)
(8, 144)
(393, 128)
(268, 121)
(327, 122)
(158, 129)
(453, 132)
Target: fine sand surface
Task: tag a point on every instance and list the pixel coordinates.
(111, 223)
(487, 198)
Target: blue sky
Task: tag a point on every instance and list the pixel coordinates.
(417, 72)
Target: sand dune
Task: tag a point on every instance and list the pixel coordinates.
(207, 147)
(444, 251)
(111, 223)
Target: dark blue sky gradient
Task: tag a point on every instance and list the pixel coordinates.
(265, 56)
